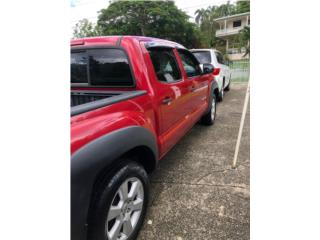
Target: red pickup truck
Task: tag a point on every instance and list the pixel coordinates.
(132, 99)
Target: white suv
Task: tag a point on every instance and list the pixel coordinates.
(221, 71)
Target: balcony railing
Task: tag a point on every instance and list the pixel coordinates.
(228, 31)
(236, 50)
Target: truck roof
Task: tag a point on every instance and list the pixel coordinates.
(203, 49)
(115, 40)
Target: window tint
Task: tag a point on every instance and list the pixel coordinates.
(165, 64)
(219, 58)
(79, 63)
(107, 67)
(203, 56)
(190, 63)
(237, 23)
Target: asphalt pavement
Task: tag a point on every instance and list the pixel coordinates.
(195, 194)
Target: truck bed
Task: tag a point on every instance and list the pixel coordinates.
(84, 100)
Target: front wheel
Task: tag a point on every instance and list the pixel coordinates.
(119, 207)
(210, 117)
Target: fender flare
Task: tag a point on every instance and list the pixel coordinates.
(88, 161)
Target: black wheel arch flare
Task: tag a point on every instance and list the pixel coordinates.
(90, 160)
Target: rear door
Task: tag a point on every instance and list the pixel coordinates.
(172, 95)
(224, 69)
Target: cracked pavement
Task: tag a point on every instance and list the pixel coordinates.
(195, 194)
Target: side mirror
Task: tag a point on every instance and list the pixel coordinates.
(207, 68)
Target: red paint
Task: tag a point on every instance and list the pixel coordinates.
(167, 122)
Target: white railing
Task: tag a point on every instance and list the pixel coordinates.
(236, 50)
(228, 31)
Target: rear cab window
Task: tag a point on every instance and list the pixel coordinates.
(101, 67)
(79, 63)
(203, 56)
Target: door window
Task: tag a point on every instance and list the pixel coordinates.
(165, 64)
(190, 63)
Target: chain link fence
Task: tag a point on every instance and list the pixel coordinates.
(240, 70)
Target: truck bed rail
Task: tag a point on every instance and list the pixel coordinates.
(84, 101)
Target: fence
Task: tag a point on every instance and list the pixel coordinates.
(240, 70)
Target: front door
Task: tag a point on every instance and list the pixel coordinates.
(199, 82)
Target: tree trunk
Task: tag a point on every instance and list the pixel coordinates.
(142, 31)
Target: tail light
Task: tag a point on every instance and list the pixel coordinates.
(216, 71)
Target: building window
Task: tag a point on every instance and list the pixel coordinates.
(237, 23)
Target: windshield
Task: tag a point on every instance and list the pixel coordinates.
(102, 67)
(203, 56)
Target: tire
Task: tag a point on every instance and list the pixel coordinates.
(209, 118)
(221, 93)
(229, 85)
(105, 223)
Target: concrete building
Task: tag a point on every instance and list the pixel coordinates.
(229, 28)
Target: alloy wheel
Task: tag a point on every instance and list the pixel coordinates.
(125, 210)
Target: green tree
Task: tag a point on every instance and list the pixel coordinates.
(244, 39)
(208, 26)
(242, 7)
(160, 19)
(224, 10)
(205, 20)
(85, 28)
(201, 15)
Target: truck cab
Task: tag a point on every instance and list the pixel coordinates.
(132, 99)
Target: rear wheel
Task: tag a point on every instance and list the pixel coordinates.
(221, 94)
(210, 117)
(120, 205)
(228, 87)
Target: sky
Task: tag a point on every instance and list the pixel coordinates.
(88, 8)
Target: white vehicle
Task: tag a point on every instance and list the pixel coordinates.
(221, 71)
